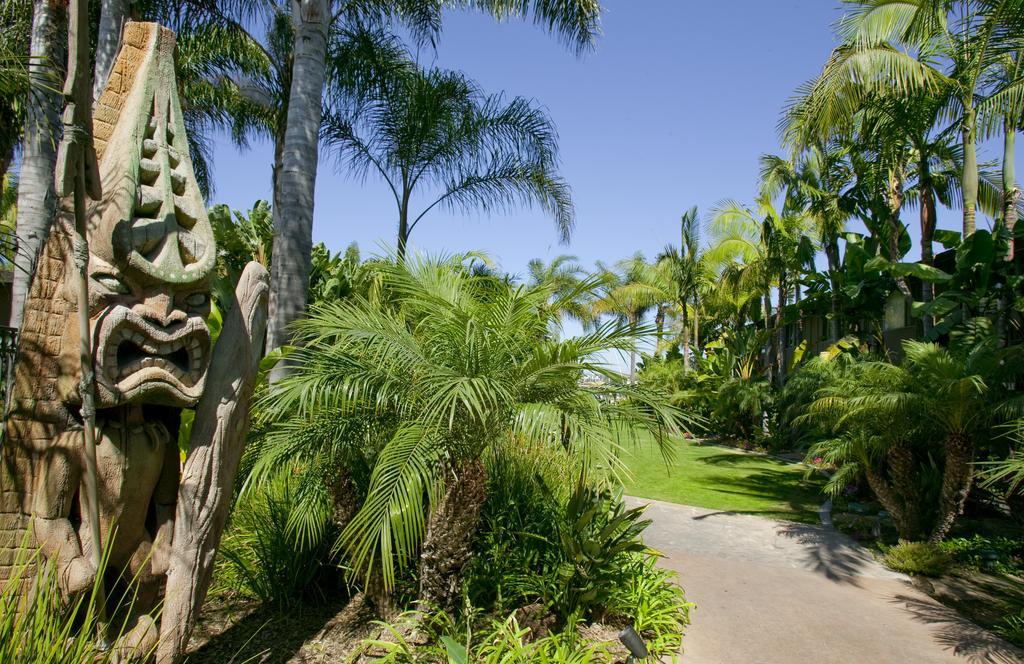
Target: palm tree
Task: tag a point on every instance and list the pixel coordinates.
(629, 292)
(112, 16)
(689, 275)
(37, 199)
(1002, 110)
(436, 131)
(908, 45)
(941, 394)
(568, 283)
(766, 248)
(575, 21)
(417, 389)
(819, 180)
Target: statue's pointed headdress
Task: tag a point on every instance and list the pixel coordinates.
(153, 218)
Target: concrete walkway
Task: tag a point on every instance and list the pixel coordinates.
(772, 592)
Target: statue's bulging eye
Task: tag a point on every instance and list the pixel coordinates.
(197, 299)
(112, 283)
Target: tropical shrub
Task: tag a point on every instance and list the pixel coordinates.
(972, 551)
(527, 489)
(892, 424)
(652, 600)
(496, 641)
(596, 534)
(1012, 628)
(917, 558)
(265, 556)
(741, 407)
(541, 545)
(421, 382)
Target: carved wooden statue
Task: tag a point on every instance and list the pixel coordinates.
(151, 251)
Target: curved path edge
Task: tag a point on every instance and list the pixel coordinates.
(774, 592)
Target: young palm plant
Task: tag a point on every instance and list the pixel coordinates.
(418, 388)
(883, 412)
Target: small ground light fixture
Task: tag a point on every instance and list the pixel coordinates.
(989, 558)
(634, 644)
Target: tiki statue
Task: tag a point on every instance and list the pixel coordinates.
(151, 253)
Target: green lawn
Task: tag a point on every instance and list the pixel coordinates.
(723, 479)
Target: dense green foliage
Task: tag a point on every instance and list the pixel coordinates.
(43, 625)
(264, 557)
(917, 558)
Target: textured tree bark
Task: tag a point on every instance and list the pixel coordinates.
(37, 199)
(403, 223)
(904, 472)
(883, 490)
(447, 546)
(956, 483)
(832, 254)
(895, 225)
(927, 234)
(293, 214)
(779, 338)
(696, 330)
(218, 438)
(113, 14)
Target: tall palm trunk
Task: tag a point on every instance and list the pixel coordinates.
(1011, 192)
(447, 546)
(293, 214)
(832, 256)
(956, 483)
(769, 359)
(634, 318)
(895, 195)
(969, 182)
(686, 338)
(659, 328)
(37, 199)
(927, 235)
(108, 39)
(780, 346)
(696, 331)
(403, 226)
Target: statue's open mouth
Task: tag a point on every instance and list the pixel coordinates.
(148, 362)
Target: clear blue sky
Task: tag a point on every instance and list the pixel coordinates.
(671, 110)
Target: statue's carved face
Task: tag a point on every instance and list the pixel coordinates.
(152, 342)
(151, 252)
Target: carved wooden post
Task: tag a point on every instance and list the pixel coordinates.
(218, 438)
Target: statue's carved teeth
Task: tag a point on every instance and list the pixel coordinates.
(139, 351)
(149, 147)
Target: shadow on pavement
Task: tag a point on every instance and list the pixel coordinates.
(963, 638)
(828, 553)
